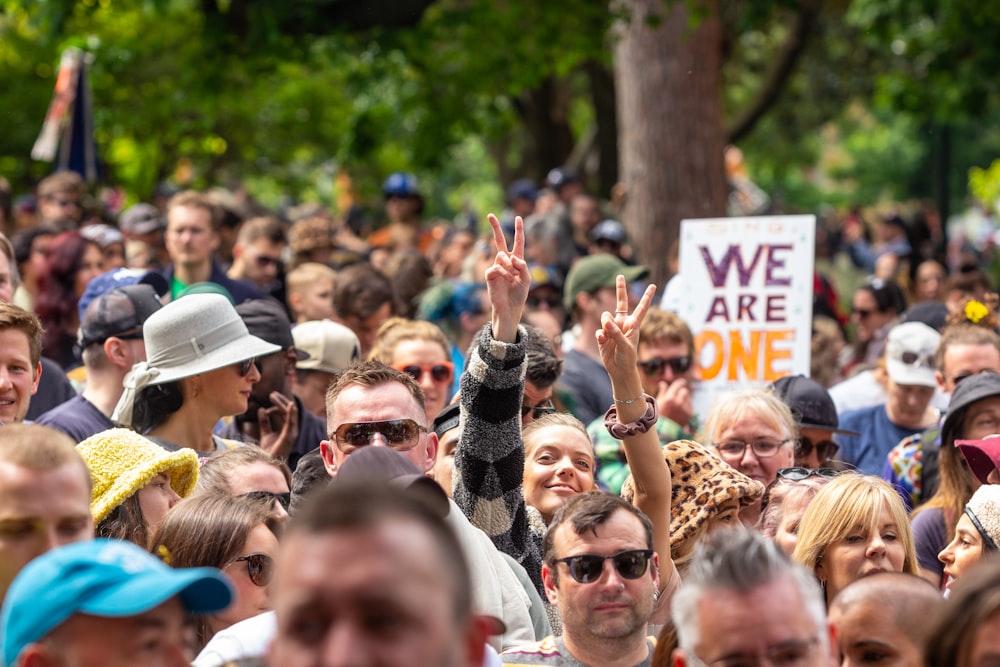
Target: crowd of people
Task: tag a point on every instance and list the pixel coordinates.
(237, 437)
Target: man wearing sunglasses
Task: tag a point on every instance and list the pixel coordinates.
(744, 603)
(257, 254)
(667, 369)
(601, 573)
(815, 419)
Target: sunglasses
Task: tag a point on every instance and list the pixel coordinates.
(795, 474)
(246, 365)
(863, 313)
(825, 449)
(264, 261)
(964, 376)
(260, 567)
(440, 373)
(587, 569)
(654, 367)
(538, 411)
(915, 359)
(551, 301)
(401, 434)
(284, 499)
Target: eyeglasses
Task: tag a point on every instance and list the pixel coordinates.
(916, 359)
(401, 434)
(440, 373)
(284, 499)
(787, 654)
(587, 568)
(761, 448)
(825, 449)
(963, 376)
(538, 411)
(246, 365)
(862, 313)
(654, 367)
(260, 567)
(550, 301)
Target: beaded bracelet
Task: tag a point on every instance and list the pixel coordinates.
(640, 425)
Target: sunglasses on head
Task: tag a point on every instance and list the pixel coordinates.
(246, 365)
(587, 569)
(440, 373)
(655, 366)
(260, 567)
(916, 359)
(795, 474)
(825, 449)
(538, 411)
(401, 434)
(284, 499)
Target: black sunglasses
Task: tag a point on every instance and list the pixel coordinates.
(587, 569)
(260, 567)
(655, 366)
(267, 260)
(284, 499)
(795, 474)
(538, 411)
(401, 434)
(964, 376)
(825, 449)
(551, 301)
(245, 366)
(862, 313)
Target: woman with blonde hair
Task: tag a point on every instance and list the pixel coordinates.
(422, 351)
(855, 526)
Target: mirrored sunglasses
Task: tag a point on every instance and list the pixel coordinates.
(401, 434)
(587, 568)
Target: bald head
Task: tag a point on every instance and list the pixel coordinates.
(889, 612)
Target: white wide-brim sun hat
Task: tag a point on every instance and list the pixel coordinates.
(194, 334)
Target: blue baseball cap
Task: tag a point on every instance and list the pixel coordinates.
(400, 184)
(99, 577)
(122, 277)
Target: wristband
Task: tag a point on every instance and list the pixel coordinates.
(640, 425)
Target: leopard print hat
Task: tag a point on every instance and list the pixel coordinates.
(701, 482)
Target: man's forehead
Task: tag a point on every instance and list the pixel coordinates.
(390, 400)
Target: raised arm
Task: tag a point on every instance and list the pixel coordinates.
(489, 457)
(618, 340)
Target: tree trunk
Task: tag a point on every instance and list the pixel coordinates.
(668, 76)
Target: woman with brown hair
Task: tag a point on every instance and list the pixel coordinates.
(236, 534)
(422, 351)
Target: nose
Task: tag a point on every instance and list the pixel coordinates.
(876, 546)
(378, 440)
(946, 556)
(173, 497)
(253, 375)
(749, 458)
(5, 378)
(564, 467)
(279, 512)
(342, 646)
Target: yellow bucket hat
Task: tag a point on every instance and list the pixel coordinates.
(121, 462)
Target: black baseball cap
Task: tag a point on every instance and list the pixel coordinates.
(123, 310)
(267, 319)
(810, 403)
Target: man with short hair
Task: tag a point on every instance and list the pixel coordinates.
(590, 291)
(20, 367)
(601, 573)
(45, 489)
(744, 601)
(541, 374)
(396, 561)
(888, 614)
(667, 368)
(275, 417)
(60, 199)
(111, 342)
(331, 348)
(257, 253)
(105, 603)
(192, 240)
(363, 300)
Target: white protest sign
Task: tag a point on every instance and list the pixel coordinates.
(747, 297)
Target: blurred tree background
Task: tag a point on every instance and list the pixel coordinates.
(833, 102)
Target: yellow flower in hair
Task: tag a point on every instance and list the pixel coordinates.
(975, 311)
(164, 553)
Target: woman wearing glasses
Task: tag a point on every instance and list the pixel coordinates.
(420, 350)
(236, 534)
(200, 367)
(135, 483)
(855, 526)
(876, 307)
(753, 431)
(248, 471)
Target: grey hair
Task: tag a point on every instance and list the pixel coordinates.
(739, 561)
(759, 401)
